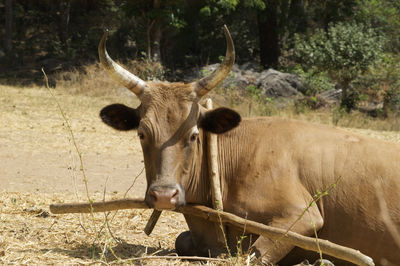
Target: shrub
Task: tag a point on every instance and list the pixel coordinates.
(345, 50)
(316, 81)
(381, 83)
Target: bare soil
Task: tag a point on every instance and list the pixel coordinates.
(37, 153)
(39, 166)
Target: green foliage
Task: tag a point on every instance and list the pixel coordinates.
(257, 98)
(348, 46)
(385, 16)
(381, 83)
(316, 81)
(345, 50)
(254, 92)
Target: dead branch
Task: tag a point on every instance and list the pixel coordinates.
(213, 165)
(213, 171)
(206, 213)
(152, 222)
(111, 205)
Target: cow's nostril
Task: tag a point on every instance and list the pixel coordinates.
(175, 196)
(175, 193)
(163, 197)
(153, 195)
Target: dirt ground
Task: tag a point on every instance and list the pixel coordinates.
(39, 166)
(37, 153)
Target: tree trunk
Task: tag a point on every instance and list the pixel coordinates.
(156, 43)
(297, 17)
(9, 30)
(348, 99)
(64, 8)
(148, 38)
(269, 34)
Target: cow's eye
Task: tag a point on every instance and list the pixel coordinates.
(194, 136)
(140, 135)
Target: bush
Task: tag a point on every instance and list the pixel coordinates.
(316, 81)
(345, 50)
(381, 83)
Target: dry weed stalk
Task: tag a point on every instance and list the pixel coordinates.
(85, 180)
(82, 168)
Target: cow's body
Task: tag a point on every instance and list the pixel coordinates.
(270, 169)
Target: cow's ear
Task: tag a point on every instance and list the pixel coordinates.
(219, 120)
(120, 117)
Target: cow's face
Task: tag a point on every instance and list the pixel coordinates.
(170, 125)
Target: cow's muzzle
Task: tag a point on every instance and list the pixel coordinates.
(165, 197)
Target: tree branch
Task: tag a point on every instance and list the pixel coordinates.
(206, 213)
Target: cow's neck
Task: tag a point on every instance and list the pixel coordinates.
(198, 188)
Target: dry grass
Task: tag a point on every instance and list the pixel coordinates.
(247, 106)
(93, 80)
(31, 235)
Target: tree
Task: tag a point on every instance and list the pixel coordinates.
(385, 16)
(345, 50)
(156, 17)
(64, 7)
(8, 23)
(267, 20)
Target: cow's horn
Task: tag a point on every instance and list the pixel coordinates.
(123, 76)
(206, 84)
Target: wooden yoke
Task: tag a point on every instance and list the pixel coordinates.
(216, 191)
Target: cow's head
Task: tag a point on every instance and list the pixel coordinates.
(168, 123)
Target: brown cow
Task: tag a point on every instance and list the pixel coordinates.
(270, 168)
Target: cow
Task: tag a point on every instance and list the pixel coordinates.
(270, 169)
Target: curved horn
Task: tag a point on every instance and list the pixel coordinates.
(123, 76)
(206, 84)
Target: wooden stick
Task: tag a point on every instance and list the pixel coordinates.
(104, 206)
(308, 243)
(152, 222)
(213, 171)
(213, 166)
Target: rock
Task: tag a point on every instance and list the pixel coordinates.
(250, 66)
(236, 80)
(329, 97)
(276, 84)
(271, 82)
(374, 108)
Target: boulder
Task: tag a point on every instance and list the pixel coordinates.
(276, 84)
(272, 83)
(329, 97)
